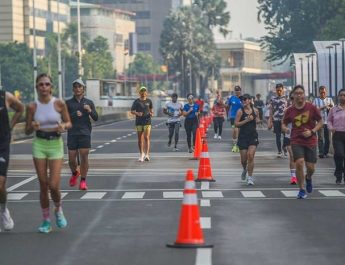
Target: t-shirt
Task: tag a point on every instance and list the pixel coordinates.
(174, 111)
(318, 102)
(195, 108)
(200, 103)
(235, 104)
(5, 132)
(302, 119)
(143, 106)
(278, 104)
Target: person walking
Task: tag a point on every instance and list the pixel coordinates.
(259, 105)
(191, 122)
(219, 113)
(48, 117)
(174, 110)
(7, 101)
(80, 110)
(234, 104)
(278, 105)
(324, 104)
(142, 108)
(246, 119)
(336, 124)
(306, 120)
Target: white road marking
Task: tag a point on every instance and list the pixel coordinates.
(332, 193)
(133, 195)
(289, 193)
(93, 195)
(16, 196)
(106, 143)
(118, 138)
(92, 150)
(253, 194)
(212, 194)
(100, 146)
(172, 194)
(205, 222)
(205, 185)
(113, 141)
(129, 134)
(203, 256)
(205, 203)
(15, 186)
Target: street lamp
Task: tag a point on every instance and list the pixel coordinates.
(342, 61)
(330, 69)
(301, 60)
(59, 51)
(80, 68)
(34, 53)
(335, 67)
(308, 57)
(313, 87)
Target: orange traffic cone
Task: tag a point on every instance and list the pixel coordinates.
(198, 144)
(189, 232)
(205, 172)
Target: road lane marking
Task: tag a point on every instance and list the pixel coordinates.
(113, 141)
(172, 194)
(252, 194)
(205, 222)
(16, 196)
(205, 185)
(100, 146)
(212, 194)
(332, 193)
(106, 143)
(133, 195)
(205, 203)
(93, 195)
(15, 186)
(289, 193)
(203, 256)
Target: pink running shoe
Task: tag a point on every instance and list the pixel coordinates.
(74, 179)
(82, 185)
(293, 181)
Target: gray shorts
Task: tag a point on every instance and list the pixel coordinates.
(308, 153)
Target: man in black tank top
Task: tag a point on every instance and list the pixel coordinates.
(6, 100)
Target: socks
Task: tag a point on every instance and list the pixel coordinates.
(234, 141)
(46, 214)
(82, 178)
(293, 172)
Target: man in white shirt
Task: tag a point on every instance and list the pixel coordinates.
(324, 104)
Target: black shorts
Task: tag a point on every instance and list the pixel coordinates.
(245, 142)
(286, 141)
(4, 160)
(300, 151)
(75, 142)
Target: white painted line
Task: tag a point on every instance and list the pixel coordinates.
(289, 193)
(172, 194)
(205, 203)
(92, 150)
(106, 143)
(129, 134)
(253, 194)
(332, 193)
(16, 196)
(113, 141)
(133, 195)
(100, 146)
(63, 194)
(205, 185)
(125, 136)
(205, 222)
(118, 138)
(212, 194)
(93, 195)
(21, 183)
(203, 256)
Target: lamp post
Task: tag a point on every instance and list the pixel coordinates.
(59, 50)
(313, 88)
(308, 65)
(80, 68)
(342, 61)
(330, 69)
(301, 60)
(335, 67)
(34, 53)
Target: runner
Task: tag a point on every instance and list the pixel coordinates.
(336, 124)
(219, 113)
(142, 108)
(80, 110)
(48, 117)
(201, 103)
(7, 100)
(246, 119)
(174, 110)
(191, 122)
(324, 104)
(278, 105)
(234, 104)
(259, 105)
(306, 121)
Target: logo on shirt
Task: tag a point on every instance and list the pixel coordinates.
(302, 118)
(2, 160)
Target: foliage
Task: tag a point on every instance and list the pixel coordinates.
(143, 64)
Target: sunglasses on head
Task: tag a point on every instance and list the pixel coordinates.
(44, 84)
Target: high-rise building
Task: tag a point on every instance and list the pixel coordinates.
(149, 18)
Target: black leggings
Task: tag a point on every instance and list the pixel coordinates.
(174, 127)
(190, 126)
(339, 154)
(218, 125)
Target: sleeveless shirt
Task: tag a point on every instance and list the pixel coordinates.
(46, 114)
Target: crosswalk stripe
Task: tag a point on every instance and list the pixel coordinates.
(203, 256)
(172, 194)
(93, 195)
(332, 193)
(205, 185)
(205, 203)
(289, 193)
(212, 194)
(16, 196)
(133, 195)
(253, 194)
(205, 222)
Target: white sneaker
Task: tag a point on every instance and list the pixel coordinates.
(147, 158)
(250, 181)
(141, 159)
(219, 137)
(7, 220)
(215, 136)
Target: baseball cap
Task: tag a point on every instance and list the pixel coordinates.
(190, 96)
(238, 88)
(245, 96)
(142, 89)
(78, 81)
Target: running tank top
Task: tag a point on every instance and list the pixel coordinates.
(46, 114)
(248, 129)
(5, 131)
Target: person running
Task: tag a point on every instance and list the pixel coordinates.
(234, 104)
(306, 121)
(336, 124)
(219, 113)
(324, 104)
(278, 105)
(80, 110)
(201, 103)
(48, 118)
(259, 105)
(7, 101)
(191, 122)
(142, 108)
(246, 119)
(174, 110)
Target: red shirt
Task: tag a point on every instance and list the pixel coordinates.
(200, 102)
(301, 120)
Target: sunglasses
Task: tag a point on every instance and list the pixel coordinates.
(44, 84)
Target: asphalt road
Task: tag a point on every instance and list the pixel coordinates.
(131, 210)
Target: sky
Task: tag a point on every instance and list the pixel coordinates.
(244, 19)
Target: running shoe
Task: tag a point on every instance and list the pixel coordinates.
(175, 149)
(338, 181)
(244, 174)
(215, 136)
(169, 143)
(83, 185)
(280, 155)
(190, 150)
(250, 181)
(74, 179)
(46, 227)
(7, 220)
(235, 148)
(147, 158)
(293, 180)
(219, 137)
(301, 194)
(309, 185)
(60, 219)
(141, 159)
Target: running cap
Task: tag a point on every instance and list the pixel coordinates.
(190, 96)
(142, 89)
(78, 81)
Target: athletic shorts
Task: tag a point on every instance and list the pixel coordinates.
(300, 151)
(4, 159)
(286, 141)
(75, 142)
(142, 128)
(47, 149)
(245, 142)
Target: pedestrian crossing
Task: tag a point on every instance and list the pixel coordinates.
(116, 195)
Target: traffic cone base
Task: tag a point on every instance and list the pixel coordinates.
(178, 245)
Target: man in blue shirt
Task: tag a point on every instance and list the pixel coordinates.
(191, 114)
(234, 104)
